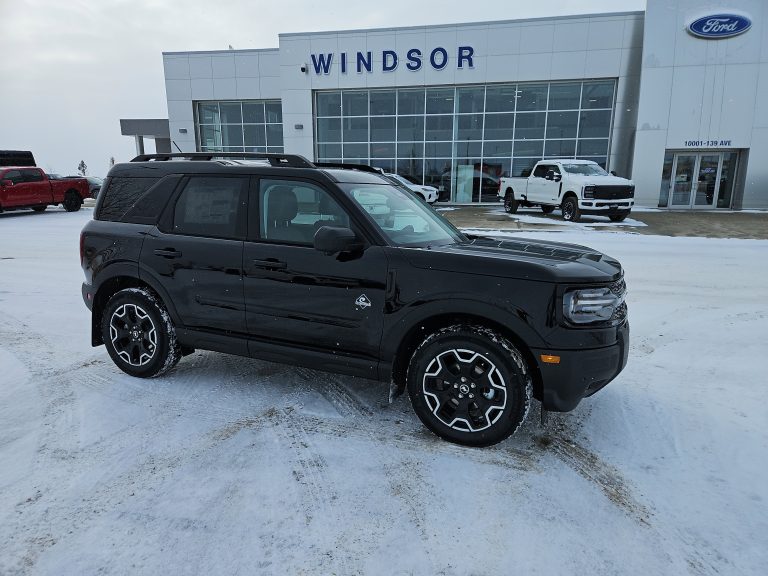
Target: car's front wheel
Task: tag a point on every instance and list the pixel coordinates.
(139, 334)
(570, 209)
(469, 385)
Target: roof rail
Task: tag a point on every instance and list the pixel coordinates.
(348, 166)
(287, 160)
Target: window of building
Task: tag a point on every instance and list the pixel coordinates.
(243, 126)
(463, 139)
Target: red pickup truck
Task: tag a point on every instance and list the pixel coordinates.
(30, 187)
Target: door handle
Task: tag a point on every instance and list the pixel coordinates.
(168, 253)
(270, 264)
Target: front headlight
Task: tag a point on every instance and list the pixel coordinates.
(589, 191)
(591, 305)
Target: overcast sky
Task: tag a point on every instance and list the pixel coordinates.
(70, 69)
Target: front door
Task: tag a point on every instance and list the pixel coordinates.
(20, 192)
(539, 188)
(297, 295)
(703, 180)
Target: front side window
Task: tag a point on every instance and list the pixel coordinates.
(402, 219)
(13, 175)
(212, 206)
(292, 211)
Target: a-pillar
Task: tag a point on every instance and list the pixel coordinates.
(139, 144)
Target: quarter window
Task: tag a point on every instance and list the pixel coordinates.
(212, 206)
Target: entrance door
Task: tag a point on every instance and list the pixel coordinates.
(682, 183)
(703, 180)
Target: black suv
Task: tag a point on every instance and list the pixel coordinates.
(336, 269)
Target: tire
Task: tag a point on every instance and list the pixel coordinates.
(469, 385)
(40, 208)
(72, 201)
(547, 209)
(510, 202)
(139, 334)
(570, 209)
(617, 217)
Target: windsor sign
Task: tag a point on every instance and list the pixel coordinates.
(438, 58)
(719, 26)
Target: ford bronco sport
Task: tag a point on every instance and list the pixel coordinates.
(336, 269)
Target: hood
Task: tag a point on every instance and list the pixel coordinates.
(520, 258)
(609, 180)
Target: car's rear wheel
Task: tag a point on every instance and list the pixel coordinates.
(40, 208)
(72, 201)
(570, 209)
(510, 202)
(469, 385)
(139, 334)
(547, 209)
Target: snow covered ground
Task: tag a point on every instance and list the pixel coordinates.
(235, 466)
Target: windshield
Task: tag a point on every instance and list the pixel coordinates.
(401, 218)
(585, 169)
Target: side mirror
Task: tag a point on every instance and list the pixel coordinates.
(550, 175)
(6, 182)
(333, 239)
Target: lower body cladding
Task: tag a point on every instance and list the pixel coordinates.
(568, 376)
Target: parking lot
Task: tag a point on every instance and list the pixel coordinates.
(232, 465)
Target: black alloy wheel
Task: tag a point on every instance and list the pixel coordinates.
(510, 202)
(139, 334)
(570, 209)
(469, 385)
(72, 201)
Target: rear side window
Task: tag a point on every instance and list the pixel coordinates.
(32, 175)
(147, 209)
(120, 196)
(212, 206)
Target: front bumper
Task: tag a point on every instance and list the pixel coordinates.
(581, 373)
(606, 207)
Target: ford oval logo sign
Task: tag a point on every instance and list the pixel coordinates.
(719, 26)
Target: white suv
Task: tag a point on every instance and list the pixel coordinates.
(429, 193)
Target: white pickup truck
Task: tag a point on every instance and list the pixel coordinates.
(576, 186)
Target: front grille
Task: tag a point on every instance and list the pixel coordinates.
(613, 192)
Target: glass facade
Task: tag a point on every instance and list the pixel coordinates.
(463, 139)
(239, 126)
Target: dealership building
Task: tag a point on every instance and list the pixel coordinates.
(675, 98)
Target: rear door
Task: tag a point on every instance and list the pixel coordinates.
(297, 295)
(38, 185)
(196, 252)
